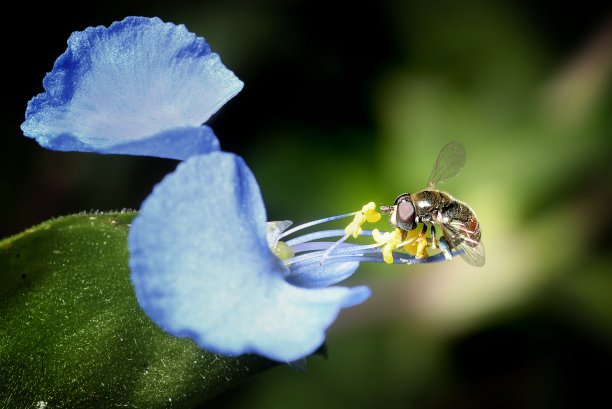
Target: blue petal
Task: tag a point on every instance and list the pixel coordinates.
(126, 83)
(201, 267)
(178, 143)
(315, 275)
(310, 273)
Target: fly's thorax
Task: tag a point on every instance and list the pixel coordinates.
(428, 203)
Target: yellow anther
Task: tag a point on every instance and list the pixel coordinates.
(416, 243)
(368, 213)
(421, 247)
(369, 210)
(282, 250)
(390, 241)
(354, 227)
(377, 236)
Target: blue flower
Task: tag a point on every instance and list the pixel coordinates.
(206, 265)
(204, 261)
(202, 267)
(138, 87)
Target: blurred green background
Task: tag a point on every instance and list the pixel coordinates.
(347, 103)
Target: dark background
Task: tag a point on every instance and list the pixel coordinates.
(346, 103)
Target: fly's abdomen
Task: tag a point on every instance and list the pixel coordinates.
(464, 221)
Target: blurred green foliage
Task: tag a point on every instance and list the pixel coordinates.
(345, 106)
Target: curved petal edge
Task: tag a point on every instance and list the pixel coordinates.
(201, 267)
(125, 83)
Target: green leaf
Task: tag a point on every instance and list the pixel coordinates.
(73, 336)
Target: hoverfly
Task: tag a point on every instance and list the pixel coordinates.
(431, 207)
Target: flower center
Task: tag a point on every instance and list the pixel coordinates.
(313, 252)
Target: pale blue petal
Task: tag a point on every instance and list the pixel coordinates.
(131, 81)
(317, 275)
(178, 143)
(201, 267)
(310, 273)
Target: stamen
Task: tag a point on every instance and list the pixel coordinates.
(283, 251)
(322, 235)
(372, 216)
(346, 248)
(315, 222)
(333, 246)
(416, 242)
(316, 245)
(315, 236)
(310, 267)
(395, 247)
(314, 266)
(389, 241)
(368, 213)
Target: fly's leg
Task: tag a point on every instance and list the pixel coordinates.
(421, 240)
(443, 245)
(434, 239)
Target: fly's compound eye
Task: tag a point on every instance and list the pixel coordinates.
(405, 213)
(401, 198)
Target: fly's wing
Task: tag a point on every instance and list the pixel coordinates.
(458, 238)
(473, 255)
(448, 165)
